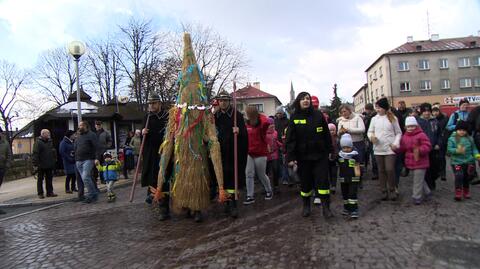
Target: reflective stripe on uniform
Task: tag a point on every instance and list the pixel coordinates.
(323, 192)
(319, 129)
(231, 191)
(306, 194)
(355, 179)
(352, 201)
(304, 121)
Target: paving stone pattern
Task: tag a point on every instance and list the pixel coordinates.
(269, 234)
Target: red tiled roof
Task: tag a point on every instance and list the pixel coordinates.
(250, 92)
(469, 42)
(440, 45)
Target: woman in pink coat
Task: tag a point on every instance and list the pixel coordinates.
(273, 161)
(416, 146)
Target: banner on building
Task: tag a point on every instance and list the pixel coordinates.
(455, 100)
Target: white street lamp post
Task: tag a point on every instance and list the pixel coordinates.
(77, 49)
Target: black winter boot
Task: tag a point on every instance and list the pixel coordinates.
(233, 209)
(306, 207)
(326, 209)
(164, 209)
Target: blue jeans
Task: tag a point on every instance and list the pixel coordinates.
(85, 170)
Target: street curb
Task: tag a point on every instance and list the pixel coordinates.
(47, 203)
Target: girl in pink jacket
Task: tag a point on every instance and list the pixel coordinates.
(416, 146)
(273, 160)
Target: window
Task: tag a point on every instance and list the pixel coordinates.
(240, 107)
(476, 82)
(405, 86)
(443, 63)
(380, 71)
(476, 61)
(376, 93)
(465, 83)
(381, 90)
(464, 62)
(425, 85)
(375, 75)
(371, 78)
(445, 84)
(403, 66)
(258, 106)
(423, 65)
(19, 145)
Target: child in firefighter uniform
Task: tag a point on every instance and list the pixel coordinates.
(349, 176)
(110, 169)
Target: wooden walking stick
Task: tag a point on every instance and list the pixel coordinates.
(139, 161)
(235, 138)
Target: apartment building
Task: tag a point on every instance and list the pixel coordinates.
(436, 71)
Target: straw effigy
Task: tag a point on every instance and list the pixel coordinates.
(190, 139)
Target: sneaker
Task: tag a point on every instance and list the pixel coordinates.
(417, 201)
(354, 214)
(285, 182)
(41, 196)
(466, 193)
(268, 196)
(317, 201)
(458, 194)
(249, 201)
(68, 191)
(52, 195)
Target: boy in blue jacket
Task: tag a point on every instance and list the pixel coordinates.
(109, 169)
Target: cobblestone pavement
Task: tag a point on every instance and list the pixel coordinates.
(269, 234)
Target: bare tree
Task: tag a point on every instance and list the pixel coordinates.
(218, 60)
(163, 77)
(12, 81)
(55, 74)
(140, 55)
(104, 70)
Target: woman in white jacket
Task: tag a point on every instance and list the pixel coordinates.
(351, 123)
(385, 134)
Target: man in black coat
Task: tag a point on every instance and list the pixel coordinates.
(224, 121)
(154, 134)
(44, 158)
(442, 126)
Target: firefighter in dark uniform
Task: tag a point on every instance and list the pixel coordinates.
(154, 133)
(309, 146)
(224, 121)
(349, 176)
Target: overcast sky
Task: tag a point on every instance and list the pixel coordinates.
(312, 43)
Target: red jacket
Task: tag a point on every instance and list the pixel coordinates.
(272, 139)
(409, 141)
(257, 137)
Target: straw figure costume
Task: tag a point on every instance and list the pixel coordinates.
(190, 139)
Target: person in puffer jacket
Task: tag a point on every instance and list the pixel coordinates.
(257, 126)
(463, 152)
(416, 146)
(109, 169)
(273, 159)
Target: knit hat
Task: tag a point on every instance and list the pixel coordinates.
(270, 121)
(332, 127)
(411, 121)
(346, 141)
(462, 125)
(425, 107)
(69, 133)
(383, 103)
(463, 101)
(280, 110)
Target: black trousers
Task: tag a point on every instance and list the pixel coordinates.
(273, 171)
(350, 195)
(46, 174)
(333, 173)
(314, 174)
(70, 182)
(433, 171)
(463, 173)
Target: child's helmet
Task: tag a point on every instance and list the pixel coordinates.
(107, 155)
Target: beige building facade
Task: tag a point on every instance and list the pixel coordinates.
(434, 71)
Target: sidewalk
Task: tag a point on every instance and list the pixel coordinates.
(23, 192)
